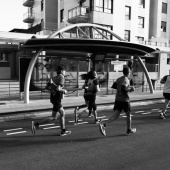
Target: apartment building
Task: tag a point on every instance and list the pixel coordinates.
(127, 18)
(140, 21)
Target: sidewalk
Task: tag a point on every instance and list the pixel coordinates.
(17, 110)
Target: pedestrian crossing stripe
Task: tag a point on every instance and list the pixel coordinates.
(8, 130)
(52, 127)
(139, 111)
(145, 113)
(82, 123)
(46, 124)
(16, 133)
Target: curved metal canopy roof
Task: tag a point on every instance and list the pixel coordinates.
(86, 40)
(88, 46)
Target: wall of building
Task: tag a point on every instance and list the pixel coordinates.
(38, 14)
(51, 14)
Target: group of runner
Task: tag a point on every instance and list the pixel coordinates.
(91, 87)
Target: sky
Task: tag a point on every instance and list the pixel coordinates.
(11, 15)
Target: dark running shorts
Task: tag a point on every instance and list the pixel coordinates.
(57, 106)
(122, 106)
(166, 95)
(91, 99)
(56, 101)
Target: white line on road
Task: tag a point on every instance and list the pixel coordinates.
(104, 119)
(8, 130)
(82, 123)
(14, 133)
(47, 124)
(72, 121)
(139, 111)
(53, 127)
(155, 109)
(126, 116)
(145, 113)
(101, 117)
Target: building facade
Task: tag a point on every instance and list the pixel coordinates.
(140, 21)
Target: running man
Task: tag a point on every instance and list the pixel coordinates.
(55, 86)
(91, 87)
(122, 102)
(166, 93)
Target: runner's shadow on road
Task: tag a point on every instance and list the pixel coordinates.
(18, 141)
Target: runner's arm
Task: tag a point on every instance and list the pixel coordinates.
(125, 87)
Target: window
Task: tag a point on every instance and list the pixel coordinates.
(42, 5)
(163, 26)
(141, 22)
(104, 6)
(127, 35)
(140, 38)
(164, 8)
(108, 6)
(42, 24)
(141, 3)
(99, 5)
(127, 12)
(62, 15)
(168, 58)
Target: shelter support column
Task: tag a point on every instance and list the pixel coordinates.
(146, 74)
(78, 78)
(108, 69)
(28, 76)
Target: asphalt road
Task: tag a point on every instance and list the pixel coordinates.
(86, 148)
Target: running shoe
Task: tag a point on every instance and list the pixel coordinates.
(162, 115)
(165, 115)
(130, 131)
(34, 127)
(65, 132)
(90, 115)
(102, 129)
(97, 121)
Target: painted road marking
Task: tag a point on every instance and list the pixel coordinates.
(145, 113)
(14, 133)
(139, 111)
(155, 109)
(104, 119)
(8, 130)
(53, 127)
(72, 121)
(47, 124)
(82, 123)
(126, 116)
(101, 117)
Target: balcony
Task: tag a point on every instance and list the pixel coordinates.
(28, 17)
(78, 15)
(28, 3)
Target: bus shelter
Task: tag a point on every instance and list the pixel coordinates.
(82, 45)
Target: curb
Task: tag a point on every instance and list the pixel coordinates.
(38, 113)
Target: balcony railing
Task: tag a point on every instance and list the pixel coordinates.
(28, 3)
(78, 15)
(159, 44)
(28, 17)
